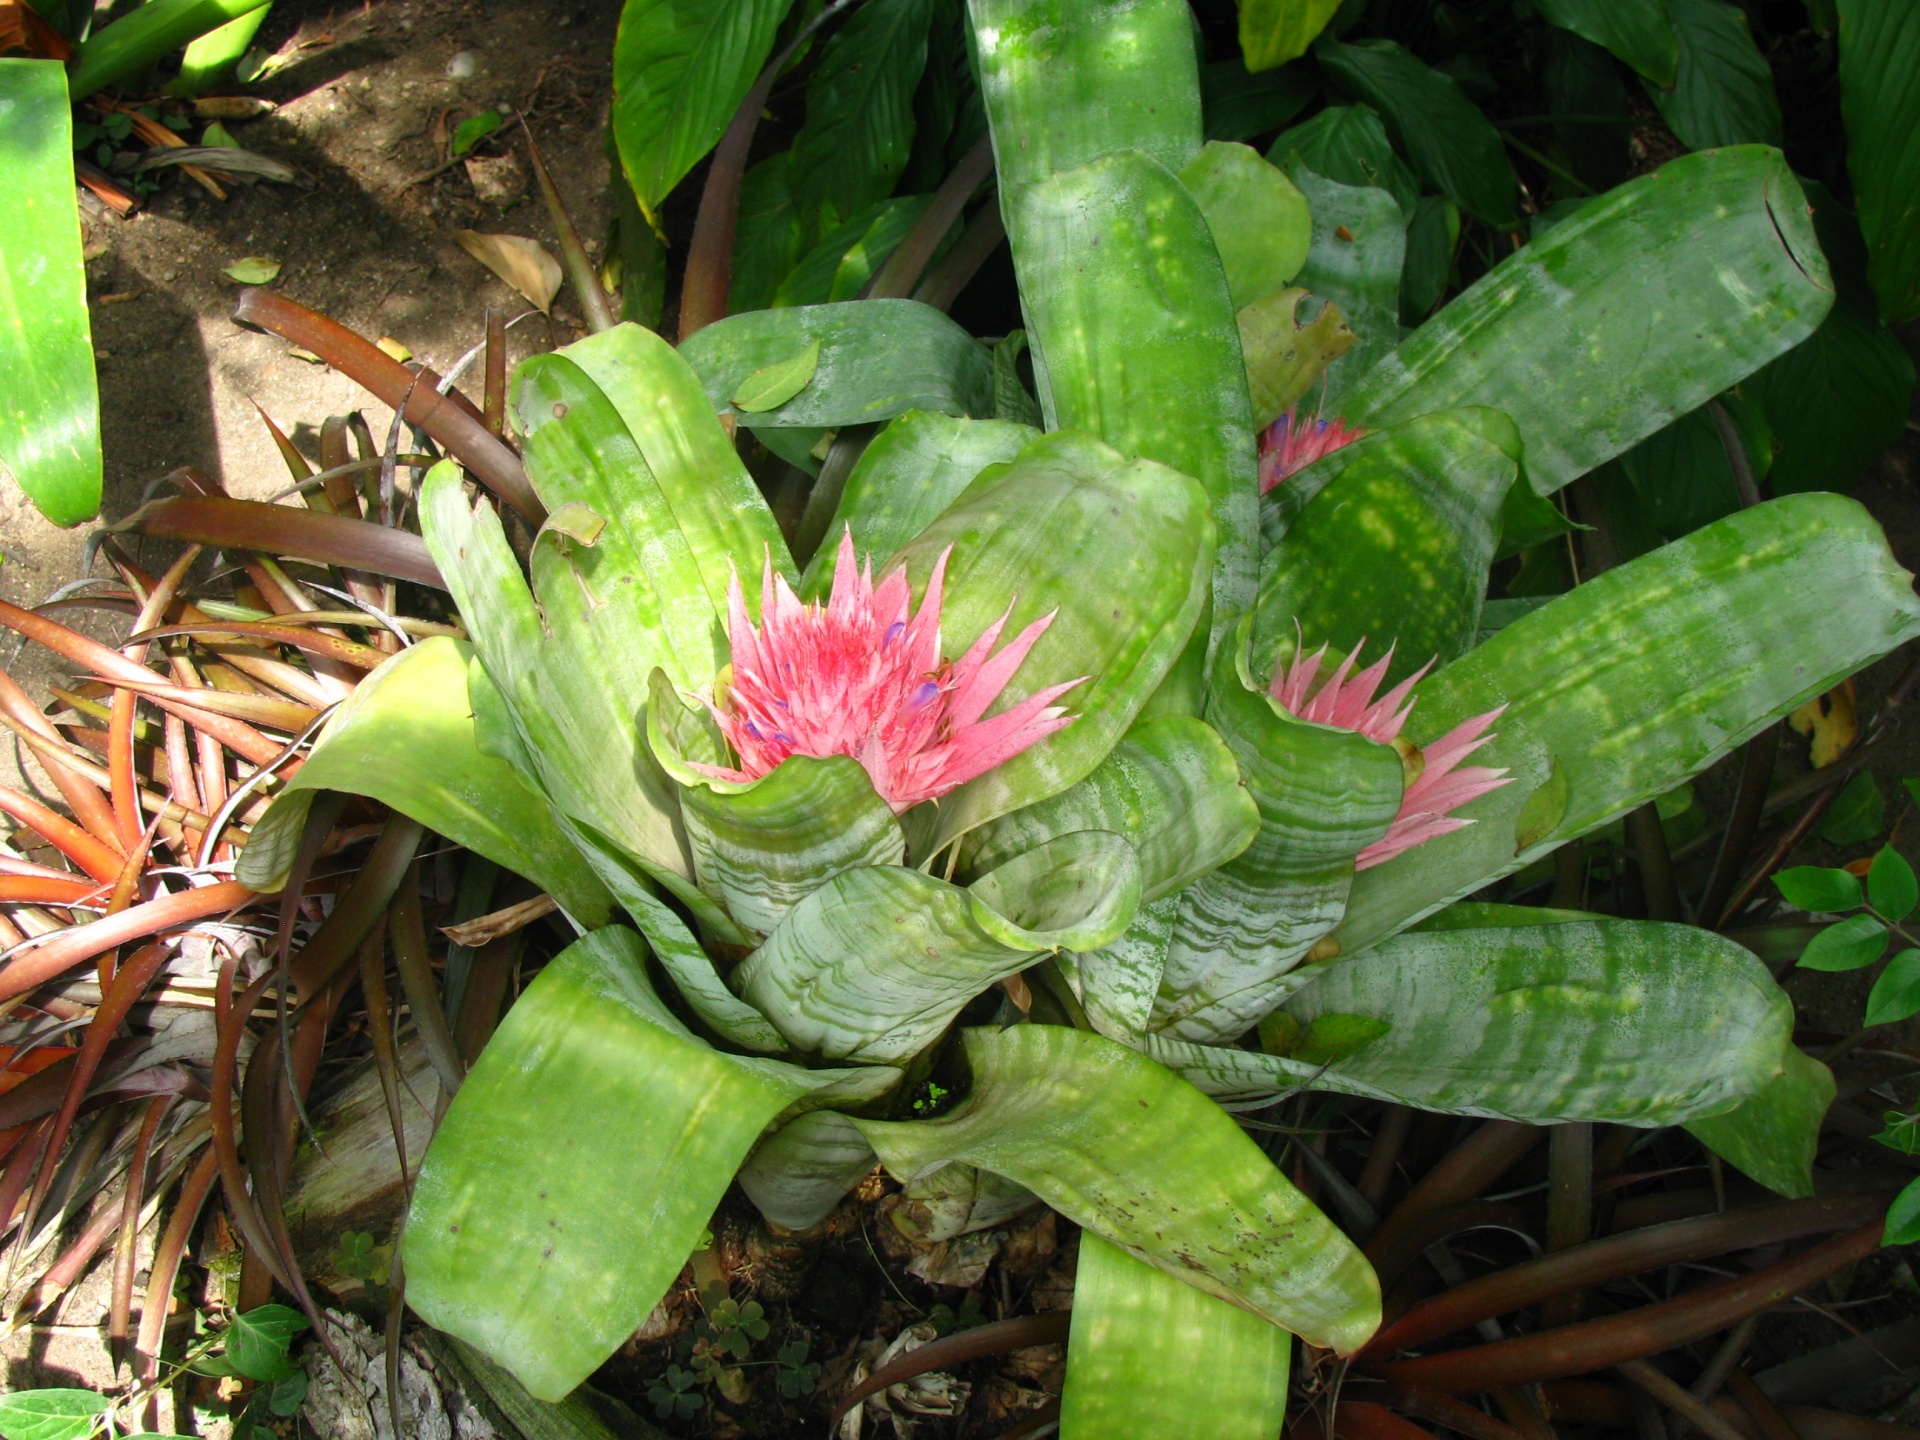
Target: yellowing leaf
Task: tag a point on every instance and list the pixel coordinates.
(1831, 720)
(522, 263)
(253, 270)
(771, 386)
(389, 346)
(1273, 32)
(1543, 812)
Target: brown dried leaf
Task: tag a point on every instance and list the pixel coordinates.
(524, 264)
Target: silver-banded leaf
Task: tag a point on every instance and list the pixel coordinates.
(878, 359)
(713, 500)
(1618, 1020)
(1771, 1136)
(799, 1172)
(1171, 787)
(1259, 221)
(1123, 1147)
(915, 468)
(1134, 338)
(959, 1199)
(1324, 795)
(1645, 304)
(1642, 677)
(1133, 1324)
(406, 737)
(1395, 553)
(1117, 983)
(1358, 270)
(1117, 551)
(1075, 892)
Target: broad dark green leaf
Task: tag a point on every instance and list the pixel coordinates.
(1273, 32)
(1581, 81)
(1348, 143)
(1682, 475)
(680, 70)
(1355, 262)
(839, 267)
(1236, 105)
(1772, 1136)
(1879, 56)
(1903, 1217)
(1622, 689)
(1651, 300)
(50, 418)
(1891, 885)
(1433, 234)
(1723, 93)
(1637, 31)
(258, 1341)
(859, 126)
(1450, 143)
(1124, 1148)
(1836, 402)
(767, 243)
(878, 358)
(1129, 1320)
(1259, 221)
(1858, 813)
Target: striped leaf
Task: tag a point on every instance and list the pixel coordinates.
(1118, 552)
(1647, 303)
(580, 1162)
(1129, 1318)
(876, 963)
(797, 1174)
(1640, 678)
(1126, 1149)
(1620, 1020)
(406, 737)
(1324, 795)
(1171, 787)
(1118, 982)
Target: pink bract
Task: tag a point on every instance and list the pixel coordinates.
(1439, 788)
(1292, 443)
(863, 676)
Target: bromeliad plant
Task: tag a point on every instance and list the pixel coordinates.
(838, 819)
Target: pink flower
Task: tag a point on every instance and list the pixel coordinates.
(1437, 787)
(863, 677)
(1291, 444)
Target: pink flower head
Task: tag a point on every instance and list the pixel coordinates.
(1437, 787)
(1292, 443)
(863, 677)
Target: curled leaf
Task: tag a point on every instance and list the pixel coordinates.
(522, 263)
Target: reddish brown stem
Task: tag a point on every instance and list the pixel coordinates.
(910, 257)
(124, 1248)
(955, 270)
(32, 968)
(997, 1338)
(166, 1266)
(1479, 1160)
(281, 530)
(495, 394)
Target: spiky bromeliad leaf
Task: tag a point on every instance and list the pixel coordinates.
(875, 964)
(1640, 678)
(1122, 1146)
(406, 738)
(1621, 1020)
(580, 1162)
(1652, 299)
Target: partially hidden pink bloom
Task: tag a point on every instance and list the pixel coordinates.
(1437, 787)
(862, 676)
(1292, 443)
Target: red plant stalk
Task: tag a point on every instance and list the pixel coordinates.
(166, 1266)
(31, 968)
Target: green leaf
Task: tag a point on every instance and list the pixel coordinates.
(876, 963)
(1581, 80)
(1117, 551)
(859, 126)
(1731, 627)
(1238, 105)
(799, 1173)
(579, 1164)
(1636, 31)
(475, 128)
(1858, 813)
(1433, 234)
(1620, 1020)
(407, 738)
(767, 242)
(1723, 91)
(1818, 891)
(1171, 787)
(1273, 32)
(210, 59)
(914, 469)
(1348, 143)
(1836, 402)
(1451, 144)
(258, 1341)
(1124, 1148)
(1129, 1318)
(1394, 551)
(1682, 476)
(1879, 54)
(680, 70)
(51, 1414)
(141, 38)
(1359, 271)
(839, 267)
(1651, 300)
(772, 386)
(878, 359)
(1848, 945)
(1896, 994)
(1891, 885)
(253, 270)
(1903, 1217)
(1010, 398)
(1118, 982)
(1772, 1136)
(50, 422)
(1259, 221)
(1284, 357)
(1134, 339)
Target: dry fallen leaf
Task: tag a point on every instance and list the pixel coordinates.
(524, 264)
(1832, 720)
